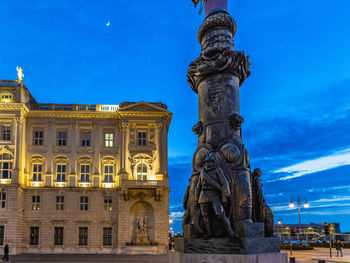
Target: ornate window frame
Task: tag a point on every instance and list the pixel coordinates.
(7, 96)
(141, 159)
(9, 167)
(108, 139)
(37, 161)
(142, 140)
(108, 161)
(62, 141)
(61, 163)
(6, 133)
(85, 161)
(39, 139)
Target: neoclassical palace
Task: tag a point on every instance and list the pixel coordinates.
(82, 178)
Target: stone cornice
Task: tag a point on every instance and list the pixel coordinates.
(14, 106)
(74, 114)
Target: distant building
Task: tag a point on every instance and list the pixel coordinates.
(310, 232)
(82, 178)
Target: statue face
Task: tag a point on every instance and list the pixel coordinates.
(209, 164)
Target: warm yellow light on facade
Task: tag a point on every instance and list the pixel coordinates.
(5, 181)
(83, 184)
(108, 185)
(36, 184)
(60, 184)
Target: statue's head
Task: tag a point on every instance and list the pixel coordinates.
(257, 172)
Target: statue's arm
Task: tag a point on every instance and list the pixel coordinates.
(198, 189)
(225, 187)
(185, 201)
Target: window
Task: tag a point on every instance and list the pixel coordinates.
(85, 173)
(108, 204)
(38, 137)
(2, 200)
(142, 138)
(58, 236)
(59, 202)
(108, 173)
(85, 139)
(36, 202)
(2, 235)
(6, 97)
(6, 133)
(34, 236)
(84, 203)
(109, 139)
(107, 236)
(61, 172)
(37, 172)
(5, 166)
(83, 236)
(62, 138)
(141, 171)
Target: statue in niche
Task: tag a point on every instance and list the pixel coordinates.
(141, 231)
(212, 193)
(261, 211)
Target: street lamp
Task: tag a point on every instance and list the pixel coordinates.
(280, 223)
(306, 205)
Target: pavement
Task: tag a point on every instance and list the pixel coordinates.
(306, 256)
(90, 258)
(312, 256)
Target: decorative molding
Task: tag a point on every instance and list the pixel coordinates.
(224, 61)
(198, 128)
(236, 121)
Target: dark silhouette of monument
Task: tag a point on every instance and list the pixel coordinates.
(226, 212)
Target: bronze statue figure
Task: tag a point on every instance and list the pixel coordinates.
(213, 193)
(261, 211)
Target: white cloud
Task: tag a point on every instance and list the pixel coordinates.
(176, 216)
(334, 160)
(333, 199)
(325, 189)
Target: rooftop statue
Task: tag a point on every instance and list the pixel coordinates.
(20, 74)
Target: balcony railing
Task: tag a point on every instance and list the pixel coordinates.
(142, 183)
(74, 107)
(62, 107)
(9, 83)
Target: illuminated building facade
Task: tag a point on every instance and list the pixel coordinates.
(82, 178)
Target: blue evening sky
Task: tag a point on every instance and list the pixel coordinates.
(296, 103)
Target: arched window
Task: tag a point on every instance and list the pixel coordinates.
(61, 169)
(85, 172)
(5, 166)
(37, 172)
(141, 171)
(108, 173)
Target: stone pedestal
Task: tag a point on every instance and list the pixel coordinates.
(141, 240)
(253, 245)
(179, 257)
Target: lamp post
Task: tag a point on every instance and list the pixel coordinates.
(171, 230)
(280, 223)
(306, 205)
